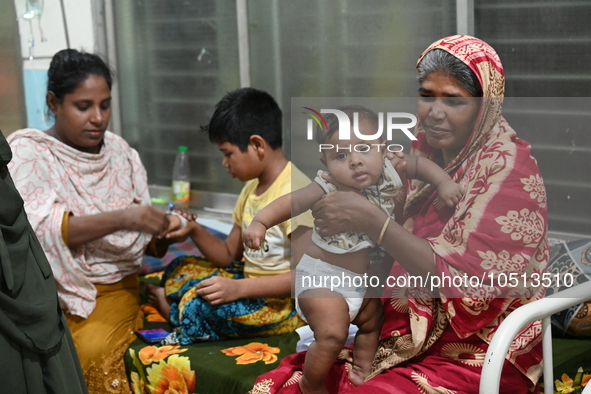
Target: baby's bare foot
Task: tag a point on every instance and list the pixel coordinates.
(357, 375)
(305, 387)
(157, 297)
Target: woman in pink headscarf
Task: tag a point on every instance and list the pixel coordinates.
(438, 344)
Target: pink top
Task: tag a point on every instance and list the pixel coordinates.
(53, 178)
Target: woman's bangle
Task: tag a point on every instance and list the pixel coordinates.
(65, 227)
(384, 230)
(184, 220)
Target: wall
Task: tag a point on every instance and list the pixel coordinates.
(43, 36)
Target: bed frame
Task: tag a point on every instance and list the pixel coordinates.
(541, 309)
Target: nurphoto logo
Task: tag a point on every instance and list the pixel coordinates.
(345, 127)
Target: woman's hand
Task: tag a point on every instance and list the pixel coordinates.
(181, 234)
(140, 218)
(218, 290)
(342, 211)
(176, 231)
(145, 219)
(174, 223)
(187, 214)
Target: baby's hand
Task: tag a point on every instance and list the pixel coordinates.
(398, 161)
(395, 157)
(254, 235)
(450, 193)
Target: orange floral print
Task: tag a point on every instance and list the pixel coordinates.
(171, 376)
(565, 385)
(137, 384)
(152, 354)
(253, 352)
(568, 385)
(152, 313)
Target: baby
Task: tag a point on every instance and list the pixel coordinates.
(361, 166)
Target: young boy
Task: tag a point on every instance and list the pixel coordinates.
(203, 298)
(361, 166)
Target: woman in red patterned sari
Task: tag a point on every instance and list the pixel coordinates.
(438, 344)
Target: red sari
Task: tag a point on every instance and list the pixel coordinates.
(438, 345)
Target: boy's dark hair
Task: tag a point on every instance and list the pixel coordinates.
(69, 68)
(245, 112)
(365, 115)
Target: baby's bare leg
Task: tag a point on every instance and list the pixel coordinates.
(328, 316)
(369, 323)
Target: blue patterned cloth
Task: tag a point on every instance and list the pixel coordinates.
(197, 320)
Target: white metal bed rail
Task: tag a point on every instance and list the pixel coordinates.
(541, 309)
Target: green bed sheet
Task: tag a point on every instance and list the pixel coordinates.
(223, 367)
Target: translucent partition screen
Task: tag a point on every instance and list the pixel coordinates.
(342, 48)
(544, 46)
(176, 59)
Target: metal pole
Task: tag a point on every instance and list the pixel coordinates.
(243, 49)
(65, 24)
(465, 17)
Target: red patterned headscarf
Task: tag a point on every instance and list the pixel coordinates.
(482, 59)
(479, 56)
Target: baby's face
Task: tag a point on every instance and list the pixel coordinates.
(356, 163)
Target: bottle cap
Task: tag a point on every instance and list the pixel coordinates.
(182, 148)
